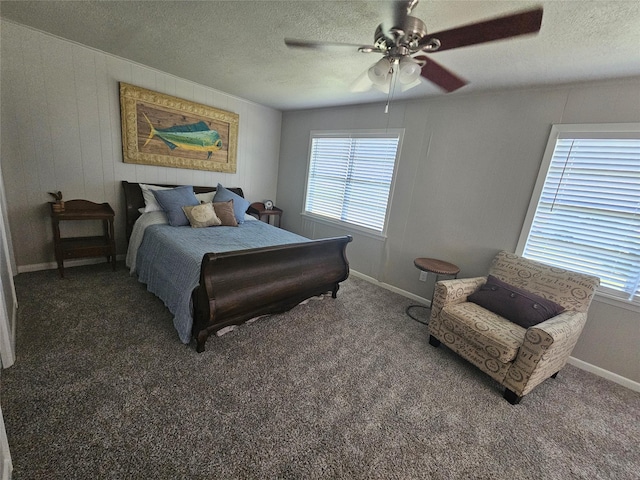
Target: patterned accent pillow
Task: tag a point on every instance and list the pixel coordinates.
(202, 215)
(224, 211)
(172, 202)
(515, 304)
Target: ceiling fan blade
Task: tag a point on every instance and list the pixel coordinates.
(328, 46)
(436, 73)
(498, 28)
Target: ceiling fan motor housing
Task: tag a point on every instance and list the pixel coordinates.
(401, 40)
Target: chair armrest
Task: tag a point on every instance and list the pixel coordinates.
(545, 351)
(450, 292)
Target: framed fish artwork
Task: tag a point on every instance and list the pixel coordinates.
(166, 131)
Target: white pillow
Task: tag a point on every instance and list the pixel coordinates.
(206, 197)
(150, 202)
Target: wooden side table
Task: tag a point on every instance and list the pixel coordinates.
(83, 247)
(438, 267)
(261, 213)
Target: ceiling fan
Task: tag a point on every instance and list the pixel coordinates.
(407, 36)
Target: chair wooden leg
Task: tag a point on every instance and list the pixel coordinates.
(511, 397)
(433, 341)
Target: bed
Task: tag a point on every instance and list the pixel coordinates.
(214, 278)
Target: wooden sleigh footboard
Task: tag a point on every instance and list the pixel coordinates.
(237, 286)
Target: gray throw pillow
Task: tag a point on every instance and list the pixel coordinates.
(240, 205)
(172, 202)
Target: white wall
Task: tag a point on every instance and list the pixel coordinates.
(8, 315)
(8, 311)
(61, 131)
(466, 173)
(6, 465)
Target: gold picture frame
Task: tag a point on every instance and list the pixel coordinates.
(167, 131)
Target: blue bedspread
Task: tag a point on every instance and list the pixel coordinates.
(168, 260)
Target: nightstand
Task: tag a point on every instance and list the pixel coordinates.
(261, 213)
(83, 247)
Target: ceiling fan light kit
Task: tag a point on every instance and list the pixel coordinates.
(408, 36)
(380, 72)
(408, 70)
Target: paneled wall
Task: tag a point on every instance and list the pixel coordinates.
(466, 172)
(467, 169)
(61, 131)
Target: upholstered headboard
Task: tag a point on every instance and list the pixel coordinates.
(134, 200)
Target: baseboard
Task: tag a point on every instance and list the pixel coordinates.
(391, 288)
(601, 372)
(36, 267)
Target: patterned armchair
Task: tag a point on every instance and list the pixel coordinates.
(519, 357)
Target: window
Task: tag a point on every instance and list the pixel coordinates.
(350, 177)
(585, 211)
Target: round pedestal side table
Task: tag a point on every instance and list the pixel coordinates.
(438, 268)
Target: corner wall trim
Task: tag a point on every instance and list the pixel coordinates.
(601, 372)
(6, 465)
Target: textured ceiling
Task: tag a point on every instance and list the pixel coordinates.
(237, 46)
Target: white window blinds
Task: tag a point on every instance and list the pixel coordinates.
(588, 215)
(350, 178)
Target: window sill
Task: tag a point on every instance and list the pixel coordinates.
(604, 297)
(349, 227)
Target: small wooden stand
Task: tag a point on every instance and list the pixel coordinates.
(83, 247)
(258, 209)
(439, 267)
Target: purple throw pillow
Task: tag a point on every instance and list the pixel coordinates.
(515, 304)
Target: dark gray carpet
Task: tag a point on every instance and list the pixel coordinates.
(345, 388)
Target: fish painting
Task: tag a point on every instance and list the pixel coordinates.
(194, 136)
